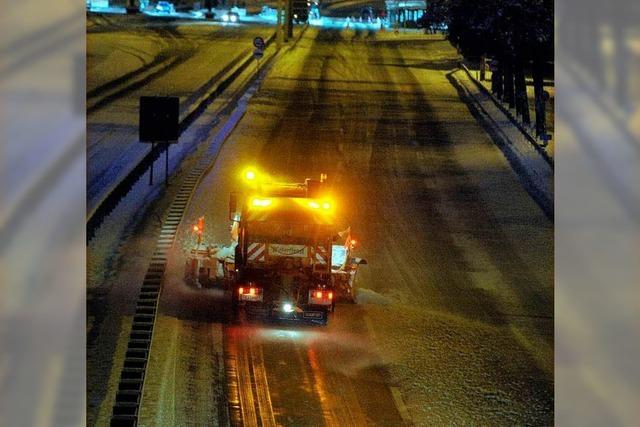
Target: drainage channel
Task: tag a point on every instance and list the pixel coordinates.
(129, 393)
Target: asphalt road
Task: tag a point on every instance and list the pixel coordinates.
(454, 321)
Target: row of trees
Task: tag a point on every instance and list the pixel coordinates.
(516, 34)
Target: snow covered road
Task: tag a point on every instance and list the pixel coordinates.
(454, 321)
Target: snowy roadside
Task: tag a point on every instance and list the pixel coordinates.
(112, 155)
(113, 54)
(127, 54)
(549, 87)
(532, 165)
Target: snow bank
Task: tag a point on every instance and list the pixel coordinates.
(533, 167)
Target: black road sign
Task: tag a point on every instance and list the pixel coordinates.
(258, 53)
(159, 119)
(258, 42)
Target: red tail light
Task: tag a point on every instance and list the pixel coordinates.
(250, 292)
(199, 227)
(320, 297)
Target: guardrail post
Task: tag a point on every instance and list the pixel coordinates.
(153, 144)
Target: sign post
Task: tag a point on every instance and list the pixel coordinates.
(153, 146)
(258, 53)
(159, 123)
(259, 43)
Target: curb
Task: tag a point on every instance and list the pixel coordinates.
(509, 115)
(533, 170)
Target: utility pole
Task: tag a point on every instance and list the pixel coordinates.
(208, 12)
(289, 19)
(131, 7)
(279, 34)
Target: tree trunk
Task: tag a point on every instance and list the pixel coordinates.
(538, 87)
(522, 101)
(509, 92)
(483, 66)
(494, 79)
(517, 86)
(499, 80)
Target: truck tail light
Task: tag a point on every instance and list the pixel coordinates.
(320, 297)
(250, 293)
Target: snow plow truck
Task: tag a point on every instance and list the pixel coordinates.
(288, 259)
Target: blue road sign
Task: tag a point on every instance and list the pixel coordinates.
(258, 42)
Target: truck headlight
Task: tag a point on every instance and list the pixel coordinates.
(287, 307)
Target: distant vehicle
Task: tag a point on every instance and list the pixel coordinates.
(231, 17)
(314, 11)
(165, 7)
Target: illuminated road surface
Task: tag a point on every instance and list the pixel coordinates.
(454, 321)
